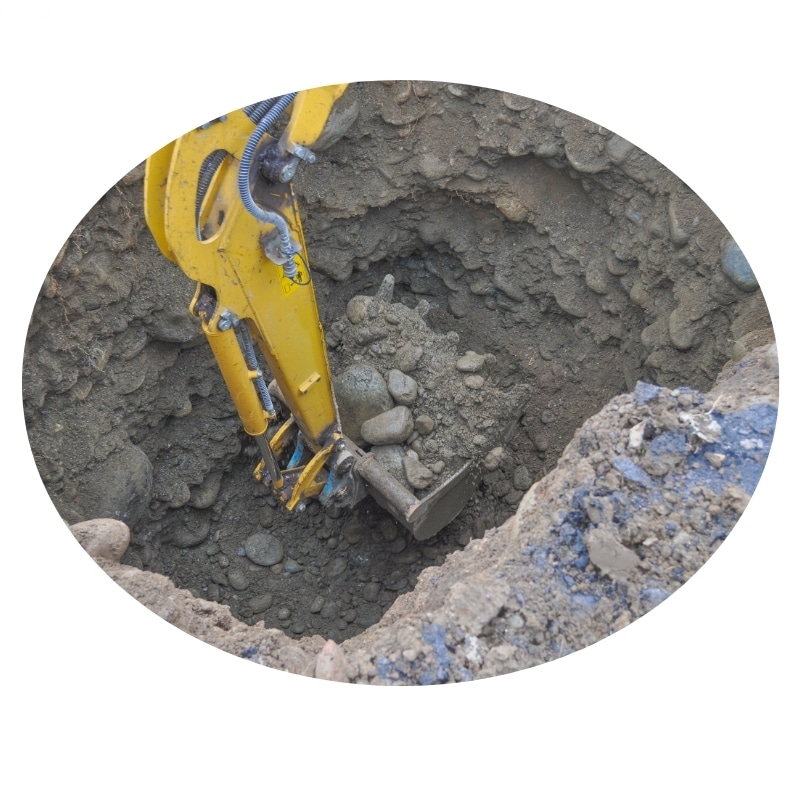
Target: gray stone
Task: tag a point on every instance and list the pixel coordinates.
(390, 457)
(737, 268)
(238, 579)
(204, 495)
(190, 532)
(260, 603)
(470, 362)
(371, 592)
(119, 487)
(417, 474)
(390, 427)
(263, 549)
(174, 326)
(402, 388)
(521, 479)
(493, 459)
(424, 424)
(408, 357)
(361, 394)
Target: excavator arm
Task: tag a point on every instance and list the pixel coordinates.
(219, 203)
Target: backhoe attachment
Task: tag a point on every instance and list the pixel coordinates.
(219, 203)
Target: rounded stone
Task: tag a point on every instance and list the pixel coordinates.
(737, 268)
(358, 309)
(238, 579)
(260, 603)
(470, 362)
(263, 549)
(424, 425)
(361, 394)
(390, 427)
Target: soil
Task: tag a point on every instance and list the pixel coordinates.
(581, 271)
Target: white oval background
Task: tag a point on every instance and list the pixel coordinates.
(109, 698)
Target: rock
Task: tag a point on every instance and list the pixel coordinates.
(402, 388)
(119, 487)
(609, 555)
(737, 268)
(260, 603)
(390, 457)
(424, 424)
(263, 549)
(470, 362)
(521, 479)
(417, 474)
(361, 394)
(238, 579)
(493, 458)
(331, 664)
(472, 606)
(173, 326)
(191, 532)
(408, 357)
(474, 381)
(204, 495)
(102, 538)
(390, 427)
(371, 592)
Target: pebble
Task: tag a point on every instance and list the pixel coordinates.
(263, 549)
(737, 268)
(474, 381)
(238, 579)
(493, 459)
(260, 603)
(521, 479)
(358, 309)
(470, 362)
(417, 474)
(408, 357)
(284, 613)
(371, 592)
(424, 425)
(204, 495)
(402, 388)
(316, 605)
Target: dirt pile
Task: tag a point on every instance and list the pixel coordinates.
(451, 411)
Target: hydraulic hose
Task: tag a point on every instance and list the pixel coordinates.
(266, 122)
(248, 350)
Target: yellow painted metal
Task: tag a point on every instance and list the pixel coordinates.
(282, 314)
(156, 174)
(238, 379)
(310, 112)
(307, 484)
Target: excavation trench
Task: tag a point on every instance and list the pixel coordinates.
(556, 253)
